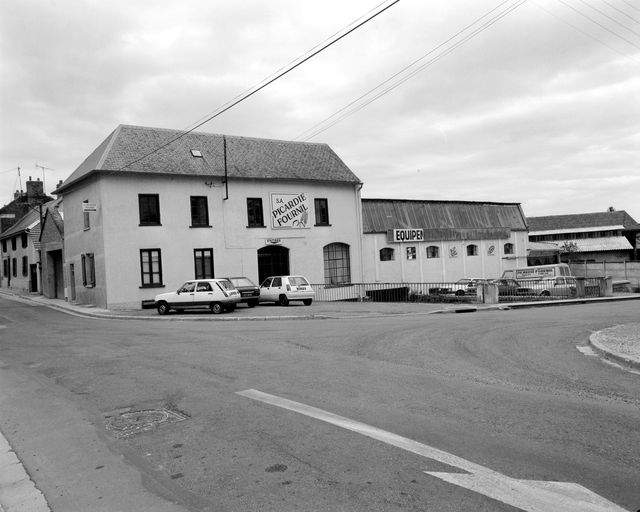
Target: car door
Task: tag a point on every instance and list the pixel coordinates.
(185, 295)
(204, 294)
(265, 290)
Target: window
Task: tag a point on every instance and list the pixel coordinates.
(4, 246)
(14, 243)
(25, 240)
(433, 251)
(411, 253)
(472, 250)
(508, 248)
(277, 282)
(322, 211)
(87, 217)
(25, 266)
(5, 267)
(337, 265)
(386, 254)
(204, 287)
(88, 270)
(199, 212)
(151, 268)
(14, 264)
(254, 212)
(149, 205)
(203, 262)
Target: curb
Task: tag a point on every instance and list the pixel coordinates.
(612, 356)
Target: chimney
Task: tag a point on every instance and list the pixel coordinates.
(35, 189)
(17, 195)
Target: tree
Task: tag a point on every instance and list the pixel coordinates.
(568, 249)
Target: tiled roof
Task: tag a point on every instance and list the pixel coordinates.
(134, 149)
(444, 220)
(582, 220)
(610, 243)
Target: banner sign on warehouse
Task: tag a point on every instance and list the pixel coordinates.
(290, 211)
(407, 235)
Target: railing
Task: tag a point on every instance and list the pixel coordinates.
(457, 292)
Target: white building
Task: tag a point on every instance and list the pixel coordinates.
(139, 219)
(415, 241)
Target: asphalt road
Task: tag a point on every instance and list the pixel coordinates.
(505, 391)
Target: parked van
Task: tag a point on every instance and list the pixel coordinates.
(537, 272)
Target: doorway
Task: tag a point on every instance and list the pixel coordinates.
(273, 260)
(33, 277)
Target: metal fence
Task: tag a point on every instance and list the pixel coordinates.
(464, 292)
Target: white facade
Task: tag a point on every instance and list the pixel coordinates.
(114, 239)
(449, 261)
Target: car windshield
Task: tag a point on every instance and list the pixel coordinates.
(298, 281)
(241, 281)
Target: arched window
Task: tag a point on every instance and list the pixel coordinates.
(433, 251)
(386, 254)
(472, 250)
(337, 264)
(508, 248)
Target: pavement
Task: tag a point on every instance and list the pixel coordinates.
(18, 493)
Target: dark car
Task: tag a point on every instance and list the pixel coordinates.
(511, 288)
(249, 291)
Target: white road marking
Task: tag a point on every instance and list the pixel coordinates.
(528, 495)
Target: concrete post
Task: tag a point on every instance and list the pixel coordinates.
(487, 293)
(606, 286)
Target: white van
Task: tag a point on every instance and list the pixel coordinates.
(537, 272)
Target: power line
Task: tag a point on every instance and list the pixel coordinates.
(319, 128)
(599, 24)
(621, 11)
(611, 18)
(560, 18)
(262, 86)
(631, 5)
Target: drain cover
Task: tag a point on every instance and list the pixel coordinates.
(135, 422)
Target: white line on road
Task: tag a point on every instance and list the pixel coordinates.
(529, 495)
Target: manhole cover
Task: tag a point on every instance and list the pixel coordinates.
(135, 422)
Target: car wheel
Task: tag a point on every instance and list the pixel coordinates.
(163, 308)
(252, 303)
(216, 308)
(545, 293)
(283, 301)
(307, 302)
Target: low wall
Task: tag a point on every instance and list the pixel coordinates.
(618, 270)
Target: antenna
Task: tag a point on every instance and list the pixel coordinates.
(43, 169)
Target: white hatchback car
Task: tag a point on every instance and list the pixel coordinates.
(217, 295)
(284, 289)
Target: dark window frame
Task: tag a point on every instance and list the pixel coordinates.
(255, 213)
(14, 265)
(433, 252)
(321, 208)
(472, 250)
(88, 270)
(25, 240)
(387, 254)
(86, 218)
(14, 243)
(200, 261)
(199, 212)
(337, 264)
(509, 248)
(154, 276)
(149, 209)
(25, 266)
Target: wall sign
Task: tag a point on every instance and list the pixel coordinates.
(290, 211)
(89, 207)
(273, 241)
(407, 235)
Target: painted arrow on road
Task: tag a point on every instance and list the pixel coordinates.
(528, 495)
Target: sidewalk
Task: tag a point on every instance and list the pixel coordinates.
(620, 343)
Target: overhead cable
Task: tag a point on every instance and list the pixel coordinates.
(411, 70)
(251, 92)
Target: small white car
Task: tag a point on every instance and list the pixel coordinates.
(284, 289)
(217, 295)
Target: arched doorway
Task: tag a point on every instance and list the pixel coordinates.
(273, 260)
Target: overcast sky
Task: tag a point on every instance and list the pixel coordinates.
(540, 108)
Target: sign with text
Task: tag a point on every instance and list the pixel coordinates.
(89, 207)
(407, 235)
(290, 211)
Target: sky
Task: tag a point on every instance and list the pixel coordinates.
(541, 107)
